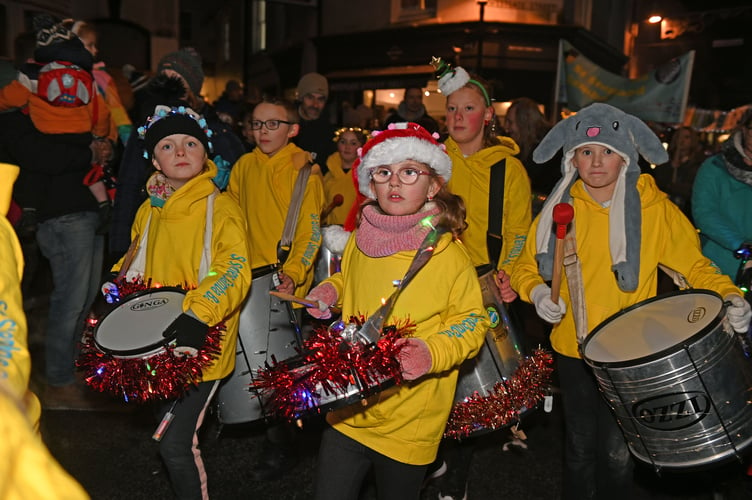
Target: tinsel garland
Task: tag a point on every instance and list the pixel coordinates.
(333, 370)
(162, 375)
(502, 406)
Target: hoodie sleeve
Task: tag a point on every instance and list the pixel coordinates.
(223, 290)
(517, 213)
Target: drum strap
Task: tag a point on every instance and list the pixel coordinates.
(288, 233)
(494, 239)
(573, 270)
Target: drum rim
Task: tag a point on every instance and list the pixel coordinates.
(258, 272)
(141, 350)
(659, 354)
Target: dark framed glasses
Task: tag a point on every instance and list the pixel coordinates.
(269, 124)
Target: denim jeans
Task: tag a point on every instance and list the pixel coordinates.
(597, 463)
(74, 251)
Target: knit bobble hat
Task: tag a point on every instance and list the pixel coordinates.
(167, 121)
(56, 42)
(400, 142)
(313, 83)
(187, 63)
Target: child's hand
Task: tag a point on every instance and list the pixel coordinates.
(505, 287)
(286, 284)
(545, 307)
(190, 334)
(324, 295)
(414, 357)
(739, 313)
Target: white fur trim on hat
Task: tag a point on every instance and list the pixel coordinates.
(398, 144)
(453, 80)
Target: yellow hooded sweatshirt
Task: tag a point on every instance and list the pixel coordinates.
(471, 177)
(173, 253)
(263, 187)
(667, 238)
(444, 300)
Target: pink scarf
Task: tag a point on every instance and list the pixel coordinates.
(381, 235)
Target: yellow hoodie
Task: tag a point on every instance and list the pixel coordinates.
(444, 300)
(263, 187)
(667, 238)
(173, 253)
(471, 177)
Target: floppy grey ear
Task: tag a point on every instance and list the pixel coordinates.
(551, 143)
(646, 142)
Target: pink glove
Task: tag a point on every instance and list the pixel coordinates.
(324, 295)
(505, 287)
(414, 358)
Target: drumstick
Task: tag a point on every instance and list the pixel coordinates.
(562, 215)
(336, 201)
(292, 298)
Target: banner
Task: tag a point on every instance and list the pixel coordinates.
(659, 96)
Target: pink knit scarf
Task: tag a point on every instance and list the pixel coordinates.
(380, 235)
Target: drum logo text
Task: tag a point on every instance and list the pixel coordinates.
(674, 411)
(696, 314)
(149, 304)
(493, 315)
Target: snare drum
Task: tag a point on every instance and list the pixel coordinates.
(502, 350)
(675, 375)
(269, 329)
(327, 264)
(126, 354)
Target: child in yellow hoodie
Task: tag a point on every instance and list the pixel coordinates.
(403, 171)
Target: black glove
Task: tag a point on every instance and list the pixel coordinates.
(189, 332)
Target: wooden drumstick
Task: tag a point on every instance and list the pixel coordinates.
(292, 298)
(562, 215)
(337, 201)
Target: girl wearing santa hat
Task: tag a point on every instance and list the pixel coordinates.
(403, 172)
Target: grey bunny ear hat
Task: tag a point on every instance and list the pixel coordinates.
(626, 135)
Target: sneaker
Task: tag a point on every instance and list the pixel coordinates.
(435, 470)
(442, 496)
(453, 484)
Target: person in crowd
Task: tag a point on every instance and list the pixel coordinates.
(315, 135)
(57, 91)
(721, 197)
(177, 82)
(525, 123)
(625, 227)
(490, 179)
(174, 240)
(411, 109)
(338, 180)
(676, 177)
(403, 172)
(120, 125)
(229, 106)
(27, 469)
(66, 214)
(246, 128)
(263, 183)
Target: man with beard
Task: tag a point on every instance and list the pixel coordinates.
(411, 109)
(316, 132)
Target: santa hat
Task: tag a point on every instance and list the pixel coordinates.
(629, 137)
(400, 142)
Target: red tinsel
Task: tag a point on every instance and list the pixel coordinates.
(332, 372)
(163, 375)
(502, 406)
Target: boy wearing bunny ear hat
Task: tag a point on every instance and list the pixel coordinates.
(625, 227)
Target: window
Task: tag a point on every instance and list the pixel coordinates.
(411, 10)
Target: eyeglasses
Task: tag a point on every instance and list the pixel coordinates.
(407, 175)
(269, 124)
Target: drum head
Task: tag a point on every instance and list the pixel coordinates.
(653, 327)
(134, 328)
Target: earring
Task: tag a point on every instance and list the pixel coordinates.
(430, 198)
(486, 122)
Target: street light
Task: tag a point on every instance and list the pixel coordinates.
(482, 6)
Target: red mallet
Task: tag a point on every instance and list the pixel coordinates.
(336, 201)
(562, 215)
